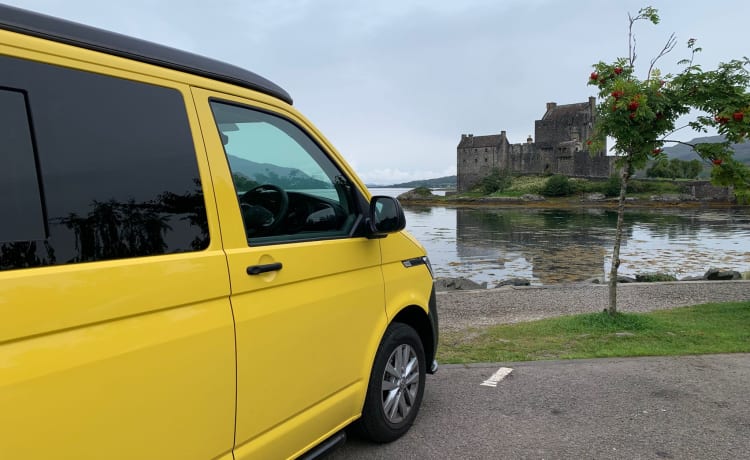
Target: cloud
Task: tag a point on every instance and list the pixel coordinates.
(393, 84)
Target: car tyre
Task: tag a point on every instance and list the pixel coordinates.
(396, 386)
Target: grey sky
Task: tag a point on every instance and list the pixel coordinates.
(394, 83)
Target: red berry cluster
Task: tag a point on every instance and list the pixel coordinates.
(618, 94)
(721, 120)
(737, 116)
(656, 151)
(717, 161)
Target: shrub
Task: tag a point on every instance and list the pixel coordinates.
(675, 169)
(612, 186)
(497, 181)
(654, 277)
(423, 191)
(558, 186)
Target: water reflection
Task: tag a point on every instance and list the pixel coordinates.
(552, 246)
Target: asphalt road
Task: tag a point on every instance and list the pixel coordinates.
(694, 407)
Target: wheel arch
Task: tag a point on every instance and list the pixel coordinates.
(416, 317)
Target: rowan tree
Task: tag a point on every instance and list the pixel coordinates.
(640, 115)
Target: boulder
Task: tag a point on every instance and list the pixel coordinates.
(514, 282)
(673, 197)
(715, 274)
(692, 278)
(457, 284)
(594, 197)
(596, 280)
(625, 279)
(532, 197)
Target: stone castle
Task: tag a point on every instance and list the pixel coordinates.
(560, 148)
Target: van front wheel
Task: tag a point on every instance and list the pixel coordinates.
(396, 385)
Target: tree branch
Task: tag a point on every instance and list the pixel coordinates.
(631, 40)
(669, 46)
(674, 131)
(679, 142)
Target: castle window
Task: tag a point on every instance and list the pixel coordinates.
(485, 159)
(475, 160)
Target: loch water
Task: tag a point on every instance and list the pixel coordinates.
(549, 246)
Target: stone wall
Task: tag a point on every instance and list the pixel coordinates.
(704, 190)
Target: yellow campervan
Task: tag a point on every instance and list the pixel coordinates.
(188, 269)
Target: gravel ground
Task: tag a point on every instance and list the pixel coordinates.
(462, 309)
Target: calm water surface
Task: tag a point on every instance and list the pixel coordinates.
(553, 246)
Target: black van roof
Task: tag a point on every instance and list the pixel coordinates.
(73, 33)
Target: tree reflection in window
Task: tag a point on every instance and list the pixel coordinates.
(114, 229)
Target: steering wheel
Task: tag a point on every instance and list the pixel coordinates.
(264, 208)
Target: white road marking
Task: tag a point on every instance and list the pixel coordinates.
(497, 377)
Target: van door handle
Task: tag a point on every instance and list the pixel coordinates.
(265, 268)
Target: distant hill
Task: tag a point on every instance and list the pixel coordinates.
(440, 182)
(264, 173)
(683, 152)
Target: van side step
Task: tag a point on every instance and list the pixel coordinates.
(326, 446)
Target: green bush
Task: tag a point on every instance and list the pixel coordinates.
(612, 186)
(654, 277)
(675, 169)
(558, 186)
(497, 181)
(423, 191)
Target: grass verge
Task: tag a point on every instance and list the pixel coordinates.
(708, 328)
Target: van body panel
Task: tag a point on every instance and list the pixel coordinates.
(125, 358)
(133, 388)
(405, 286)
(321, 312)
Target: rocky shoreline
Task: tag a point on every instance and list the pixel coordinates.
(460, 310)
(465, 284)
(426, 198)
(538, 201)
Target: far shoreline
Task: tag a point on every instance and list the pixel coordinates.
(564, 203)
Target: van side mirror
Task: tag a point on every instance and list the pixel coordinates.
(386, 216)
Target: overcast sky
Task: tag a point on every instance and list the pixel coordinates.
(394, 83)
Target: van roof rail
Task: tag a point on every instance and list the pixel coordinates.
(73, 33)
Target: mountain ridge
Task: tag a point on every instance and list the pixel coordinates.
(438, 182)
(685, 152)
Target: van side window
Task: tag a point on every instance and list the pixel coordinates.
(21, 203)
(102, 168)
(287, 187)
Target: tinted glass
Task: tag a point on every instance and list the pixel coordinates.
(21, 203)
(118, 168)
(288, 189)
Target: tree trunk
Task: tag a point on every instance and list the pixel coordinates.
(624, 176)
